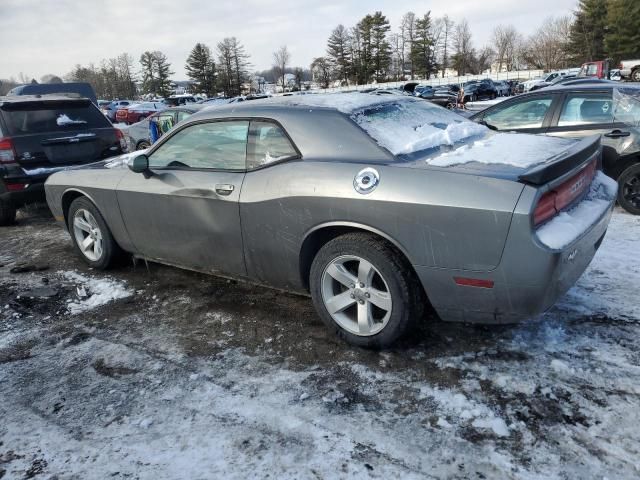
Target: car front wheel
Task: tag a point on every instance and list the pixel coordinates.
(635, 75)
(629, 189)
(363, 291)
(91, 236)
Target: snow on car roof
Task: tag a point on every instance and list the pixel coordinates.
(343, 102)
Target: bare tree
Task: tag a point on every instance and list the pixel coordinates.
(281, 59)
(505, 39)
(447, 34)
(547, 48)
(463, 57)
(407, 37)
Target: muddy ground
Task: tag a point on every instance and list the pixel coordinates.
(182, 375)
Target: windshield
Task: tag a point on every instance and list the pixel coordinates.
(410, 129)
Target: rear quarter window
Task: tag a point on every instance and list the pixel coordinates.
(28, 119)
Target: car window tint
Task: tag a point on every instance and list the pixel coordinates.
(267, 143)
(59, 118)
(219, 145)
(580, 109)
(525, 114)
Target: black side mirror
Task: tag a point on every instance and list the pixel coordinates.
(140, 164)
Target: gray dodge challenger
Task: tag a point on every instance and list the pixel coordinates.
(376, 205)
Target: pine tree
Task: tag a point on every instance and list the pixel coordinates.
(586, 40)
(380, 46)
(148, 72)
(339, 53)
(163, 72)
(200, 68)
(421, 49)
(623, 34)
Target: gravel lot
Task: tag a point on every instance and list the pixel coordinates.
(153, 372)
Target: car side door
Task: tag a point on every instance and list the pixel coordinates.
(526, 114)
(587, 113)
(185, 210)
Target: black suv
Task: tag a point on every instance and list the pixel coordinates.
(40, 134)
(479, 89)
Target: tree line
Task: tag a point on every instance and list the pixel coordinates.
(422, 46)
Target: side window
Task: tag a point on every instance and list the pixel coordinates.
(183, 115)
(165, 122)
(580, 109)
(267, 143)
(219, 145)
(526, 114)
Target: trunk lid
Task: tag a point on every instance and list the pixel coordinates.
(52, 133)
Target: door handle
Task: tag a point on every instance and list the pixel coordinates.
(617, 134)
(224, 188)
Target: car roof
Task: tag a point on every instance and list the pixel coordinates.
(586, 86)
(343, 102)
(15, 99)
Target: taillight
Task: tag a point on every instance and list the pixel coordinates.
(554, 201)
(7, 153)
(123, 141)
(16, 187)
(545, 209)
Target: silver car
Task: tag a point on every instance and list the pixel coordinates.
(376, 205)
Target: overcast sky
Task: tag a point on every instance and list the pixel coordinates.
(51, 36)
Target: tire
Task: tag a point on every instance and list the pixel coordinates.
(384, 275)
(143, 145)
(85, 221)
(629, 189)
(635, 75)
(7, 214)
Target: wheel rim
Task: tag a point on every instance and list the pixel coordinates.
(631, 190)
(143, 146)
(356, 295)
(87, 234)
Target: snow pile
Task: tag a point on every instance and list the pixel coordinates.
(95, 292)
(519, 150)
(570, 225)
(63, 120)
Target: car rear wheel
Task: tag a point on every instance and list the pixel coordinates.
(7, 213)
(143, 145)
(363, 291)
(91, 236)
(629, 189)
(635, 75)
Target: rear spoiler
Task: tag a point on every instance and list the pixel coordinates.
(579, 153)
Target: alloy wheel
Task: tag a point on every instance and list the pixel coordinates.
(356, 295)
(87, 234)
(631, 190)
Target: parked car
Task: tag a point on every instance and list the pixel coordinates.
(630, 70)
(578, 111)
(111, 109)
(373, 204)
(503, 88)
(436, 95)
(177, 100)
(41, 134)
(479, 90)
(123, 112)
(546, 80)
(161, 122)
(140, 111)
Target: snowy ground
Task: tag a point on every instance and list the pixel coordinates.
(161, 374)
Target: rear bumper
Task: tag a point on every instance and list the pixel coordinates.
(530, 279)
(32, 194)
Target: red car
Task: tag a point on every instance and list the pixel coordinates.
(138, 111)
